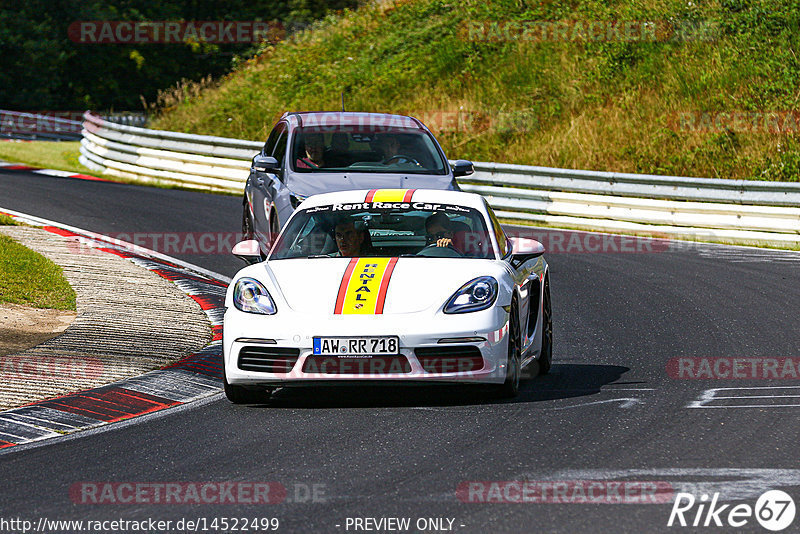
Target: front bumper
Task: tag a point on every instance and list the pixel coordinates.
(293, 334)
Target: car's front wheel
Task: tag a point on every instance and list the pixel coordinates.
(274, 230)
(247, 224)
(510, 388)
(546, 356)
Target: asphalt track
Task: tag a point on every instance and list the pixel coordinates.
(608, 411)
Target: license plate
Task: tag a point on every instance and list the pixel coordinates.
(356, 346)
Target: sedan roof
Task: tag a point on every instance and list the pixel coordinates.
(353, 118)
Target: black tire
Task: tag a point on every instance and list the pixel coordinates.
(273, 230)
(247, 224)
(510, 388)
(546, 356)
(243, 395)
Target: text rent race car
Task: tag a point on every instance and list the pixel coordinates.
(435, 293)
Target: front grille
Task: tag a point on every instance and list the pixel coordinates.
(450, 359)
(268, 359)
(375, 365)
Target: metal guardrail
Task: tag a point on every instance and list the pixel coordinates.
(640, 185)
(739, 211)
(205, 162)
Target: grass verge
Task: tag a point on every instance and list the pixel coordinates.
(30, 279)
(62, 156)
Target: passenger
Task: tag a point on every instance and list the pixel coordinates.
(312, 152)
(349, 239)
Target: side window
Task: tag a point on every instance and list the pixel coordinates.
(269, 146)
(502, 241)
(280, 147)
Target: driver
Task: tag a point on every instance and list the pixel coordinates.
(439, 230)
(389, 145)
(349, 239)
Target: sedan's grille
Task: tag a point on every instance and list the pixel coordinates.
(375, 365)
(450, 359)
(268, 359)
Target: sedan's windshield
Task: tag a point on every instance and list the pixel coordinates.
(363, 149)
(381, 229)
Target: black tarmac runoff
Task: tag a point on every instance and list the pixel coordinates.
(673, 398)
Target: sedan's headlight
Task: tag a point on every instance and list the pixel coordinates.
(250, 296)
(475, 295)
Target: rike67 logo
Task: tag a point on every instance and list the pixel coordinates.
(774, 510)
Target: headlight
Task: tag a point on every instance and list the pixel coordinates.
(475, 295)
(252, 297)
(296, 200)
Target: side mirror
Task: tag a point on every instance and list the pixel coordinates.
(524, 249)
(248, 251)
(266, 164)
(462, 167)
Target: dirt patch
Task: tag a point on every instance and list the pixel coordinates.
(22, 327)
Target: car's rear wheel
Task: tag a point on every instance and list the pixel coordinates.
(510, 388)
(546, 356)
(243, 395)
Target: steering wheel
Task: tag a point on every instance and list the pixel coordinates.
(401, 158)
(434, 251)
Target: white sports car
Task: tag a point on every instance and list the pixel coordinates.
(387, 286)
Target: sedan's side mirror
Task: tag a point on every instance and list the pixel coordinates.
(248, 251)
(266, 164)
(524, 249)
(463, 167)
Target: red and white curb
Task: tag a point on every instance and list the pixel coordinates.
(194, 377)
(5, 166)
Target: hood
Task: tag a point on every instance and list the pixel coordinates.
(308, 184)
(371, 285)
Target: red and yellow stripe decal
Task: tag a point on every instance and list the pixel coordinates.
(364, 285)
(390, 195)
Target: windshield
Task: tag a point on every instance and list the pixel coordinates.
(362, 149)
(380, 229)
